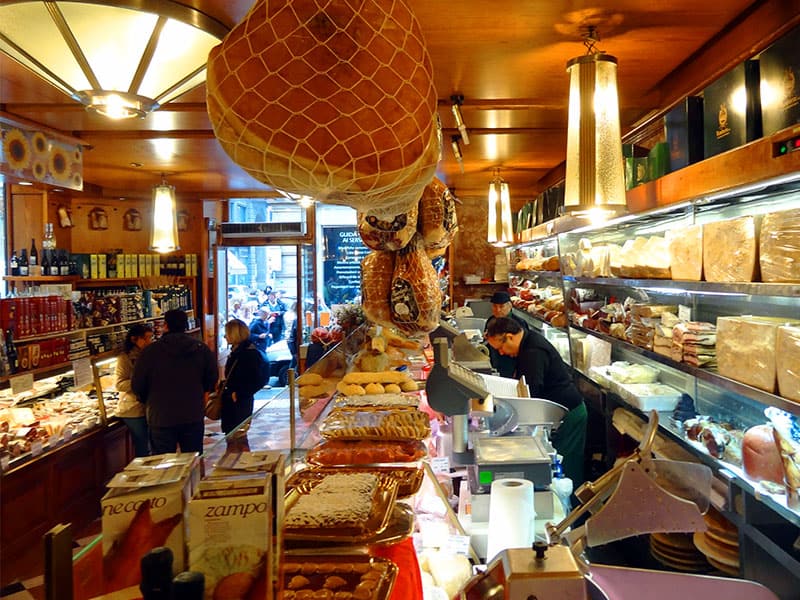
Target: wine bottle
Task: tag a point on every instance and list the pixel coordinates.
(45, 262)
(34, 258)
(189, 585)
(11, 351)
(23, 263)
(13, 264)
(55, 265)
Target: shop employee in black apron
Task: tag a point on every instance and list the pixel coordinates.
(547, 377)
(501, 307)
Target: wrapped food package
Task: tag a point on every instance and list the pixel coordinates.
(788, 361)
(415, 298)
(653, 262)
(388, 235)
(730, 250)
(779, 246)
(438, 221)
(686, 253)
(376, 286)
(746, 350)
(331, 100)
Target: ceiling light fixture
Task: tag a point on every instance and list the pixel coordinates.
(500, 233)
(457, 151)
(164, 232)
(122, 59)
(595, 178)
(458, 100)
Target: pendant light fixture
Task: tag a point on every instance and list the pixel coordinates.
(164, 232)
(595, 175)
(120, 59)
(500, 232)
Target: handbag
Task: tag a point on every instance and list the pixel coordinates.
(213, 406)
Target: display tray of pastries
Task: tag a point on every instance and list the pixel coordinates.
(409, 479)
(343, 506)
(337, 577)
(362, 452)
(375, 423)
(382, 400)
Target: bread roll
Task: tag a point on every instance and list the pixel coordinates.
(760, 455)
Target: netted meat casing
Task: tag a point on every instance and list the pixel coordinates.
(333, 100)
(415, 298)
(388, 234)
(377, 269)
(437, 221)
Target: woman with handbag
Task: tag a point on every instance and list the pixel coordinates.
(246, 372)
(129, 409)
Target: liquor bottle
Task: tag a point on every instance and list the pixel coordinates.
(64, 264)
(34, 258)
(13, 264)
(49, 239)
(11, 351)
(23, 263)
(45, 262)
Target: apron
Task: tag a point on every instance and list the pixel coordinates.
(570, 440)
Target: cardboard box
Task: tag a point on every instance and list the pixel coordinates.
(684, 132)
(780, 83)
(732, 109)
(94, 269)
(140, 517)
(102, 266)
(234, 525)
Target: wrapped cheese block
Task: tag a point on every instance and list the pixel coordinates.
(686, 253)
(779, 246)
(437, 221)
(788, 362)
(730, 250)
(746, 350)
(629, 259)
(654, 260)
(333, 100)
(415, 298)
(376, 284)
(391, 234)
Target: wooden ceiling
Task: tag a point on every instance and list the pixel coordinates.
(506, 57)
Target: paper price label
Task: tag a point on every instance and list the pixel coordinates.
(457, 544)
(21, 383)
(83, 372)
(440, 464)
(67, 433)
(36, 447)
(4, 460)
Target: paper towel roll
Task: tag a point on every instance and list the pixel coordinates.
(511, 516)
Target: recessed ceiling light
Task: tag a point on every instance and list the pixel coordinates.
(25, 183)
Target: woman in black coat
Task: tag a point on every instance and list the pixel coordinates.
(246, 372)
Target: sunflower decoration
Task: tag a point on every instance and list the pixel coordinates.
(16, 149)
(39, 143)
(77, 155)
(39, 170)
(59, 164)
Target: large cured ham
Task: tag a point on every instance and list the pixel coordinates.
(390, 234)
(333, 100)
(437, 219)
(376, 286)
(415, 298)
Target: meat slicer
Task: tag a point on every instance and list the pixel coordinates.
(639, 495)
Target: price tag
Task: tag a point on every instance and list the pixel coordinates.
(4, 460)
(36, 447)
(684, 312)
(83, 372)
(21, 383)
(67, 433)
(457, 544)
(440, 464)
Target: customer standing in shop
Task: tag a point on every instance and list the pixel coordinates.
(172, 377)
(276, 309)
(246, 372)
(259, 330)
(547, 377)
(501, 307)
(129, 409)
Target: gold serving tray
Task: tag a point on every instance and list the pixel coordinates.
(376, 423)
(363, 452)
(382, 503)
(409, 479)
(373, 577)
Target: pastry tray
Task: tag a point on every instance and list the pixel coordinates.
(377, 520)
(382, 400)
(376, 423)
(409, 479)
(373, 577)
(362, 452)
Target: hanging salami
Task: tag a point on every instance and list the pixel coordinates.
(376, 286)
(415, 299)
(437, 221)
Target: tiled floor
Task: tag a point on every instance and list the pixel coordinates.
(33, 588)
